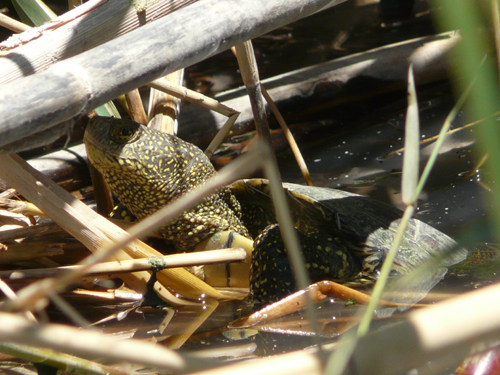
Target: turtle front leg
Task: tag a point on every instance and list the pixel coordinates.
(271, 275)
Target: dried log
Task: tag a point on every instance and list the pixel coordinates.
(79, 84)
(31, 231)
(23, 252)
(328, 85)
(66, 167)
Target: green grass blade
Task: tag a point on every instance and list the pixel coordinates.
(37, 12)
(108, 110)
(412, 148)
(484, 97)
(22, 15)
(442, 135)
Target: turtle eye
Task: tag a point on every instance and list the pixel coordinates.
(123, 132)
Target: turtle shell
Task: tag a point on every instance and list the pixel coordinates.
(366, 227)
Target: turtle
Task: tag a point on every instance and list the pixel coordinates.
(344, 236)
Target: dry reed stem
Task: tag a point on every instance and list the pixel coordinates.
(146, 264)
(12, 24)
(192, 97)
(31, 231)
(221, 134)
(21, 207)
(21, 252)
(249, 72)
(135, 107)
(295, 302)
(65, 362)
(289, 137)
(164, 108)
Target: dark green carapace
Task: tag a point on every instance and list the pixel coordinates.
(345, 237)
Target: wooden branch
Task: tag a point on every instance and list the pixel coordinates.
(90, 79)
(76, 31)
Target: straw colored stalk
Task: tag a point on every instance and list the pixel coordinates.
(164, 108)
(86, 81)
(146, 264)
(12, 24)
